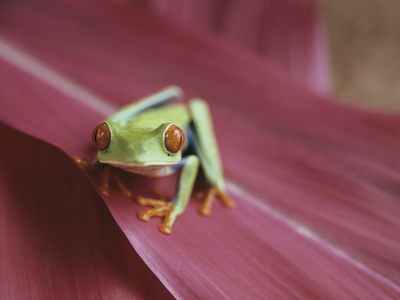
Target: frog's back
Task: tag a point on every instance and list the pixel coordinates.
(177, 114)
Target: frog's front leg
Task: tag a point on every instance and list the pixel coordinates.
(170, 210)
(105, 176)
(206, 148)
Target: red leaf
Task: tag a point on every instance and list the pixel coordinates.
(316, 182)
(58, 241)
(286, 31)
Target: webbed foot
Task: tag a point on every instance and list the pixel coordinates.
(104, 188)
(161, 208)
(105, 177)
(212, 193)
(82, 162)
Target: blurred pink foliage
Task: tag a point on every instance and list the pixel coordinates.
(288, 32)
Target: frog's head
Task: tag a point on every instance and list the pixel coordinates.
(132, 146)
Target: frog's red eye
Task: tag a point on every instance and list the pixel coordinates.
(101, 137)
(174, 139)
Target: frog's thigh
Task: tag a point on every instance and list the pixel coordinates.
(205, 144)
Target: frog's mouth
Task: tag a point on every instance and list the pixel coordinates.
(139, 164)
(153, 169)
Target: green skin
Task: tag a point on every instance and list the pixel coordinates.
(137, 143)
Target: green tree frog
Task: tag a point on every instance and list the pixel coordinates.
(151, 137)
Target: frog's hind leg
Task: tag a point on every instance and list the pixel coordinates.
(206, 147)
(213, 192)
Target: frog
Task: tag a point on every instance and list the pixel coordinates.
(157, 136)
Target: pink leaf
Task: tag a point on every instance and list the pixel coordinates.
(317, 183)
(286, 31)
(58, 241)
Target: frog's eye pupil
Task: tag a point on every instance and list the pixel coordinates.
(174, 139)
(101, 137)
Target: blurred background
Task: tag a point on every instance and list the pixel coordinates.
(364, 47)
(363, 39)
